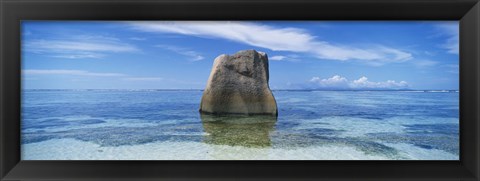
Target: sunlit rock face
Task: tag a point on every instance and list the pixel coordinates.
(238, 84)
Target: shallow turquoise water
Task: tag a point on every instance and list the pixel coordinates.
(387, 124)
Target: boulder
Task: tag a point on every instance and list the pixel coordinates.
(238, 84)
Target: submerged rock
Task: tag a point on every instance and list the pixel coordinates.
(238, 130)
(238, 84)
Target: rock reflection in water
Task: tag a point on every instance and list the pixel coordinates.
(235, 130)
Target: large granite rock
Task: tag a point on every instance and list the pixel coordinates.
(238, 84)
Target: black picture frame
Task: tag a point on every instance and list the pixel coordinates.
(12, 12)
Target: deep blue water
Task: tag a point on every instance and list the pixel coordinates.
(371, 121)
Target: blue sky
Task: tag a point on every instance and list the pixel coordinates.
(180, 54)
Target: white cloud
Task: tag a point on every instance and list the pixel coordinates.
(248, 33)
(290, 58)
(278, 57)
(78, 47)
(193, 55)
(451, 31)
(364, 83)
(361, 83)
(78, 55)
(274, 38)
(69, 72)
(144, 79)
(333, 82)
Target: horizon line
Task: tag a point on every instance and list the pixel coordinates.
(195, 89)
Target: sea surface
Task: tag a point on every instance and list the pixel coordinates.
(311, 125)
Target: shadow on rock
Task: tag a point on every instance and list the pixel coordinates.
(236, 130)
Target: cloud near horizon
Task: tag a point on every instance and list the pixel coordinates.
(276, 39)
(339, 82)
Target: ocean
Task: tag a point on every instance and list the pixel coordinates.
(311, 125)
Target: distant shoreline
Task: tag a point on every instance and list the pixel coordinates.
(274, 90)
